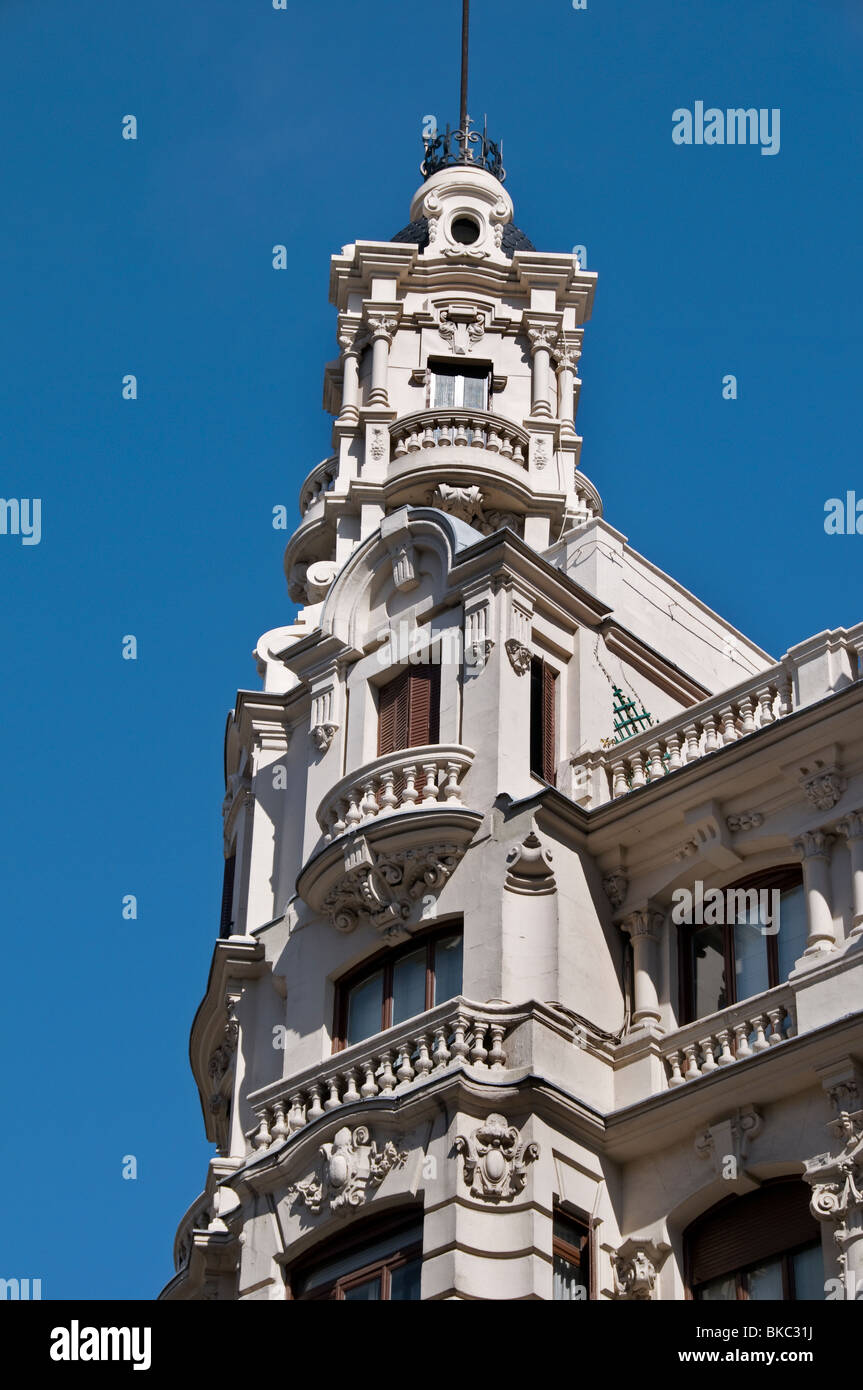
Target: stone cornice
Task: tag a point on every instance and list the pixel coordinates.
(234, 958)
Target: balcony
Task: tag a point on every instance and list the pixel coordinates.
(320, 481)
(449, 428)
(457, 1035)
(731, 1036)
(414, 779)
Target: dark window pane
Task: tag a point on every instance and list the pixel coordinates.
(409, 985)
(448, 968)
(370, 1290)
(808, 1267)
(764, 1282)
(708, 954)
(405, 1282)
(721, 1290)
(750, 957)
(364, 1009)
(793, 929)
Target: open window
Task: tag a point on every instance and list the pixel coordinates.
(570, 1259)
(377, 1262)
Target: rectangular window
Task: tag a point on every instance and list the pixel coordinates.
(409, 709)
(462, 387)
(543, 737)
(570, 1260)
(383, 1269)
(412, 979)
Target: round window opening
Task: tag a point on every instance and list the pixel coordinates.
(464, 230)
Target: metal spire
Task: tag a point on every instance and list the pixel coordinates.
(465, 40)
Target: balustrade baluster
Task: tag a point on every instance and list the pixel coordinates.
(428, 439)
(692, 749)
(387, 1075)
(404, 1071)
(280, 1126)
(263, 1138)
(758, 1025)
(440, 1051)
(618, 784)
(741, 1041)
(369, 1087)
(676, 1078)
(636, 762)
(765, 705)
(729, 728)
(692, 1070)
(410, 794)
(333, 1102)
(369, 803)
(496, 1056)
(747, 715)
(451, 787)
(459, 1046)
(711, 739)
(726, 1056)
(350, 1092)
(424, 1061)
(655, 764)
(709, 1062)
(388, 798)
(430, 788)
(315, 1110)
(296, 1114)
(675, 760)
(478, 1051)
(775, 1016)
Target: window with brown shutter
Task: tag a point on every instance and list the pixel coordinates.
(770, 1233)
(409, 709)
(543, 733)
(226, 920)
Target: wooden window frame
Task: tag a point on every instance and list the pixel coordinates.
(781, 876)
(580, 1254)
(745, 1261)
(367, 1234)
(387, 958)
(741, 1293)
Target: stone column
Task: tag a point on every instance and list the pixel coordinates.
(852, 828)
(814, 847)
(352, 341)
(643, 930)
(381, 329)
(566, 357)
(542, 339)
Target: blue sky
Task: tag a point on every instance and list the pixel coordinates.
(153, 257)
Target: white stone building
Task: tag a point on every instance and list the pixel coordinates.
(457, 1041)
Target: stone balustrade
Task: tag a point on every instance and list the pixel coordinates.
(413, 779)
(320, 480)
(455, 1034)
(722, 1039)
(683, 739)
(449, 428)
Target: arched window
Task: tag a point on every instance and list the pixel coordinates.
(744, 944)
(379, 1261)
(397, 984)
(765, 1245)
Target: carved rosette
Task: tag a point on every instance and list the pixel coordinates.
(348, 1169)
(495, 1160)
(637, 1264)
(385, 888)
(519, 655)
(746, 820)
(825, 791)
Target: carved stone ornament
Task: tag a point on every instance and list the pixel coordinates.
(746, 820)
(637, 1264)
(467, 504)
(824, 791)
(519, 655)
(495, 1160)
(384, 888)
(837, 1186)
(462, 326)
(403, 559)
(528, 867)
(220, 1060)
(238, 794)
(476, 654)
(725, 1143)
(615, 887)
(348, 1169)
(323, 735)
(377, 447)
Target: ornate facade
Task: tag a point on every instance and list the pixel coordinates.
(457, 1041)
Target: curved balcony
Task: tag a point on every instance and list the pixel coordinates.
(413, 779)
(455, 1035)
(320, 481)
(197, 1218)
(448, 428)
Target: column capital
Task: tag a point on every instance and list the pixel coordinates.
(814, 844)
(381, 319)
(643, 924)
(851, 825)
